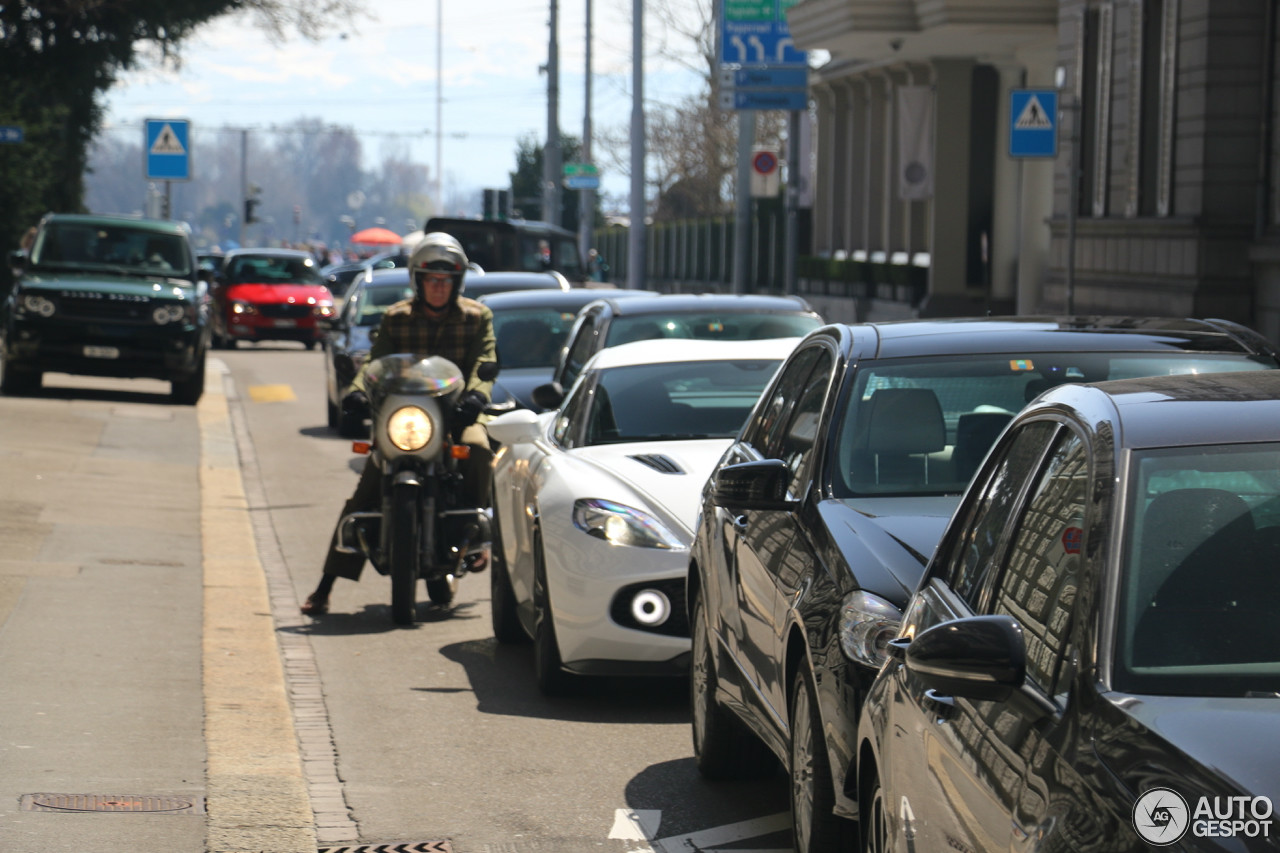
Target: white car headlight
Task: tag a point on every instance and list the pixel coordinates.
(410, 428)
(618, 524)
(867, 624)
(167, 314)
(239, 306)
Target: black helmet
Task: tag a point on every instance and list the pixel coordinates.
(439, 252)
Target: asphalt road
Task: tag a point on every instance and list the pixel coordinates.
(125, 517)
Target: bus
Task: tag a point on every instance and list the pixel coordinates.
(515, 245)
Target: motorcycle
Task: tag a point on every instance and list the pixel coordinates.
(421, 531)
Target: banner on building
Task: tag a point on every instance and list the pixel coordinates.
(915, 142)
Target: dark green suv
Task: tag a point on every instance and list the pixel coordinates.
(106, 296)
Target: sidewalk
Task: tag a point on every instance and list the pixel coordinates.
(146, 726)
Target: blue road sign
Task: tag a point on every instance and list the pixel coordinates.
(765, 78)
(11, 133)
(1033, 123)
(168, 149)
(791, 100)
(755, 32)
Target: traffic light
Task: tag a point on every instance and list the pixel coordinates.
(249, 205)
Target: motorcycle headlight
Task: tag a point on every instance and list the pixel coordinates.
(867, 624)
(618, 524)
(410, 428)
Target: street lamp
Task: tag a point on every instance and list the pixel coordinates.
(1069, 102)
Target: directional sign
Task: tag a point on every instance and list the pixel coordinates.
(755, 32)
(764, 78)
(792, 100)
(168, 149)
(1033, 123)
(581, 176)
(11, 133)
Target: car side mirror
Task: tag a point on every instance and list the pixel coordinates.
(548, 396)
(980, 658)
(18, 259)
(753, 485)
(516, 427)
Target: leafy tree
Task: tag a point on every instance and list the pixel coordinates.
(526, 183)
(57, 57)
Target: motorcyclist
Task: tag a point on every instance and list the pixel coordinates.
(438, 321)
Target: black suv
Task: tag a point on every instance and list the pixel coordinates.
(106, 296)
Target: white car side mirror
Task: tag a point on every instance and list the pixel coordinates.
(520, 426)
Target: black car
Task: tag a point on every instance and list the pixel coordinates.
(531, 327)
(706, 316)
(348, 339)
(338, 277)
(817, 523)
(1091, 661)
(107, 296)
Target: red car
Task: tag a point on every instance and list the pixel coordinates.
(270, 295)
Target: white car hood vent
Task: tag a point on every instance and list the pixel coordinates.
(659, 462)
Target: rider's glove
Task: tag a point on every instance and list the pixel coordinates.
(470, 406)
(356, 404)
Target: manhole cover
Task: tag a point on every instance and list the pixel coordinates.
(108, 803)
(406, 847)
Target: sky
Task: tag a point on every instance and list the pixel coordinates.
(378, 75)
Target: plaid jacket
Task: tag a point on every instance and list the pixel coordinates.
(464, 335)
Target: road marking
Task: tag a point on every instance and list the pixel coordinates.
(727, 834)
(642, 825)
(271, 394)
(635, 824)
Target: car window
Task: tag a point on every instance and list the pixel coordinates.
(685, 400)
(923, 425)
(582, 347)
(117, 246)
(567, 429)
(266, 269)
(531, 337)
(725, 326)
(972, 557)
(373, 302)
(1199, 585)
(797, 447)
(765, 431)
(1038, 584)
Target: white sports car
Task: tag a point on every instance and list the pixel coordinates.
(596, 503)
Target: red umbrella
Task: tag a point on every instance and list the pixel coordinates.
(377, 237)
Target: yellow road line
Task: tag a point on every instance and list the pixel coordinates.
(254, 784)
(271, 394)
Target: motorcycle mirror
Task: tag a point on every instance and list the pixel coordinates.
(487, 371)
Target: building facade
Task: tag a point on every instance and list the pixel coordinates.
(1166, 117)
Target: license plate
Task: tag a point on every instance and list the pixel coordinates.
(101, 352)
(286, 324)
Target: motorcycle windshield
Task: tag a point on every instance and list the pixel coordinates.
(404, 373)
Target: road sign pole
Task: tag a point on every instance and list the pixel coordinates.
(742, 218)
(168, 206)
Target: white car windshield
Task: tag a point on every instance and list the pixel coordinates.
(684, 400)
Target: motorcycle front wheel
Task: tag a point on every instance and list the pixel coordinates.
(404, 554)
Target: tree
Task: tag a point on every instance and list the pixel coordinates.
(57, 57)
(526, 183)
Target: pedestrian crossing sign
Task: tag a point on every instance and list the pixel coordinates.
(1033, 123)
(168, 149)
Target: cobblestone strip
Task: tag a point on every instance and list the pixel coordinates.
(306, 692)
